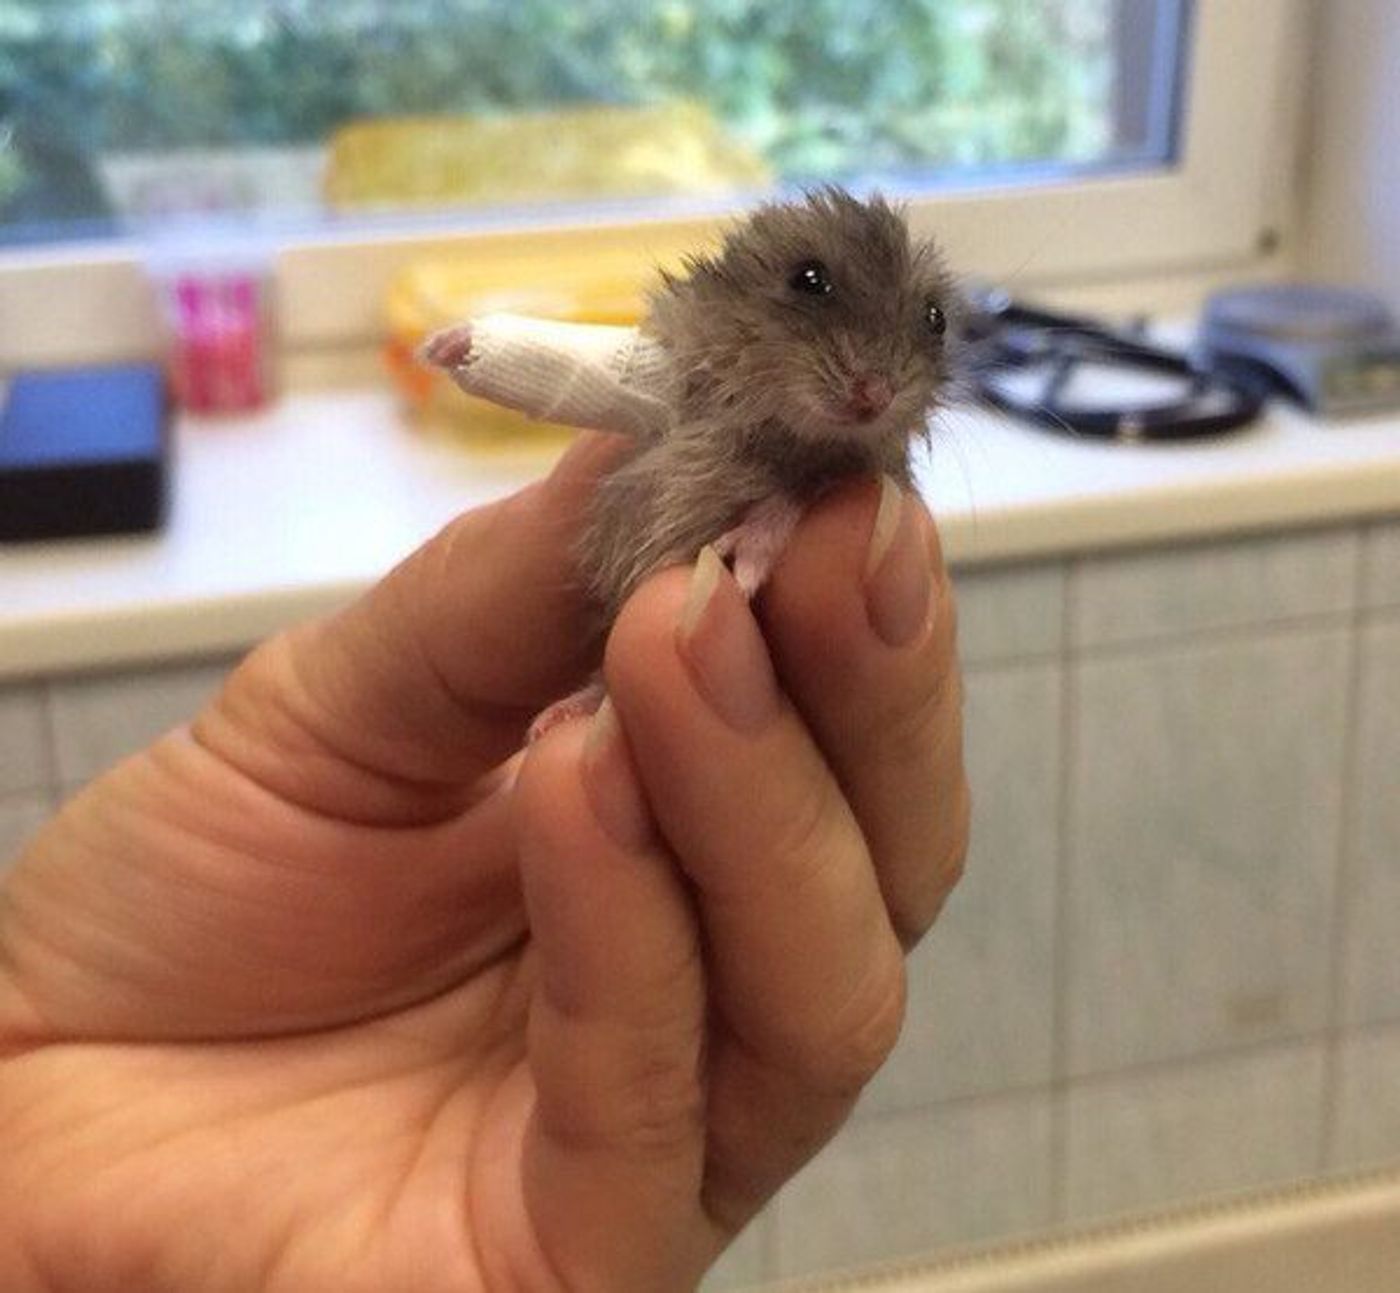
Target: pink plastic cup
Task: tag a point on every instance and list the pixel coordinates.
(216, 305)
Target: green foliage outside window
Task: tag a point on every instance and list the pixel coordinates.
(819, 87)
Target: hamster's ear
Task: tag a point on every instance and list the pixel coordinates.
(887, 209)
(701, 270)
(829, 197)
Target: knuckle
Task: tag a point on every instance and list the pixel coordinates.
(658, 1107)
(914, 727)
(670, 1111)
(799, 837)
(863, 1035)
(914, 919)
(917, 914)
(803, 837)
(635, 1081)
(954, 864)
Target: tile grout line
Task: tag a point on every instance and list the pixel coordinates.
(1173, 1066)
(1208, 636)
(977, 665)
(1215, 635)
(1382, 616)
(53, 781)
(1068, 749)
(1344, 865)
(1179, 1065)
(768, 1255)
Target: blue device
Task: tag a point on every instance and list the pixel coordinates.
(84, 452)
(1335, 350)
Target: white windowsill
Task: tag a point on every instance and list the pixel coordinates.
(1329, 1236)
(289, 514)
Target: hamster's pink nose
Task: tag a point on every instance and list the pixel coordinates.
(870, 396)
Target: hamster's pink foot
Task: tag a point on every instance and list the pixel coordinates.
(449, 348)
(582, 704)
(755, 544)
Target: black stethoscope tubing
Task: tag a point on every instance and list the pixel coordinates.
(1008, 335)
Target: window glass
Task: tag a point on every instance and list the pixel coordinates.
(112, 111)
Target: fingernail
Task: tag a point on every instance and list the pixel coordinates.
(898, 578)
(720, 642)
(611, 784)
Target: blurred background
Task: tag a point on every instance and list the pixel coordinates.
(111, 109)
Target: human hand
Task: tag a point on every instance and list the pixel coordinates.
(334, 991)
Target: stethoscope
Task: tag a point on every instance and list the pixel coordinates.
(1022, 361)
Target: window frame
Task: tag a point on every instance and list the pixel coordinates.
(1218, 206)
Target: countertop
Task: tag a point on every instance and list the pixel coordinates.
(288, 514)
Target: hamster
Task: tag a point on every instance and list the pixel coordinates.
(812, 346)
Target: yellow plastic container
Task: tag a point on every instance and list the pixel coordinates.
(565, 154)
(559, 155)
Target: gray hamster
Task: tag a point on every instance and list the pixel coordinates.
(812, 346)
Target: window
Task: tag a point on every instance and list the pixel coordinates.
(1063, 135)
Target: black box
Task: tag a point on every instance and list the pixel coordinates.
(84, 452)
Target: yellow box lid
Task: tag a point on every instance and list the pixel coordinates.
(552, 155)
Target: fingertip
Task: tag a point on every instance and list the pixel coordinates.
(641, 648)
(820, 590)
(578, 789)
(545, 775)
(814, 607)
(840, 525)
(847, 515)
(610, 782)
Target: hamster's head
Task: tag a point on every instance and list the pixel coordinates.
(824, 315)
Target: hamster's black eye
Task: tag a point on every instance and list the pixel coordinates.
(934, 319)
(811, 279)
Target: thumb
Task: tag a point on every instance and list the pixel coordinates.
(390, 711)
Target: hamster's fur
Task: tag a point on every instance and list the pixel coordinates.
(813, 345)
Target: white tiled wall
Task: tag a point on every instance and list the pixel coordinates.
(1135, 994)
(1161, 996)
(1171, 593)
(1373, 952)
(746, 1262)
(1011, 614)
(981, 1010)
(26, 757)
(1367, 1130)
(1381, 584)
(901, 1184)
(1206, 794)
(1140, 1140)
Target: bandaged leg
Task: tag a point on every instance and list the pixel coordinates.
(586, 375)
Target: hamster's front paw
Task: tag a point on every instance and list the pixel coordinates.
(450, 348)
(755, 544)
(583, 703)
